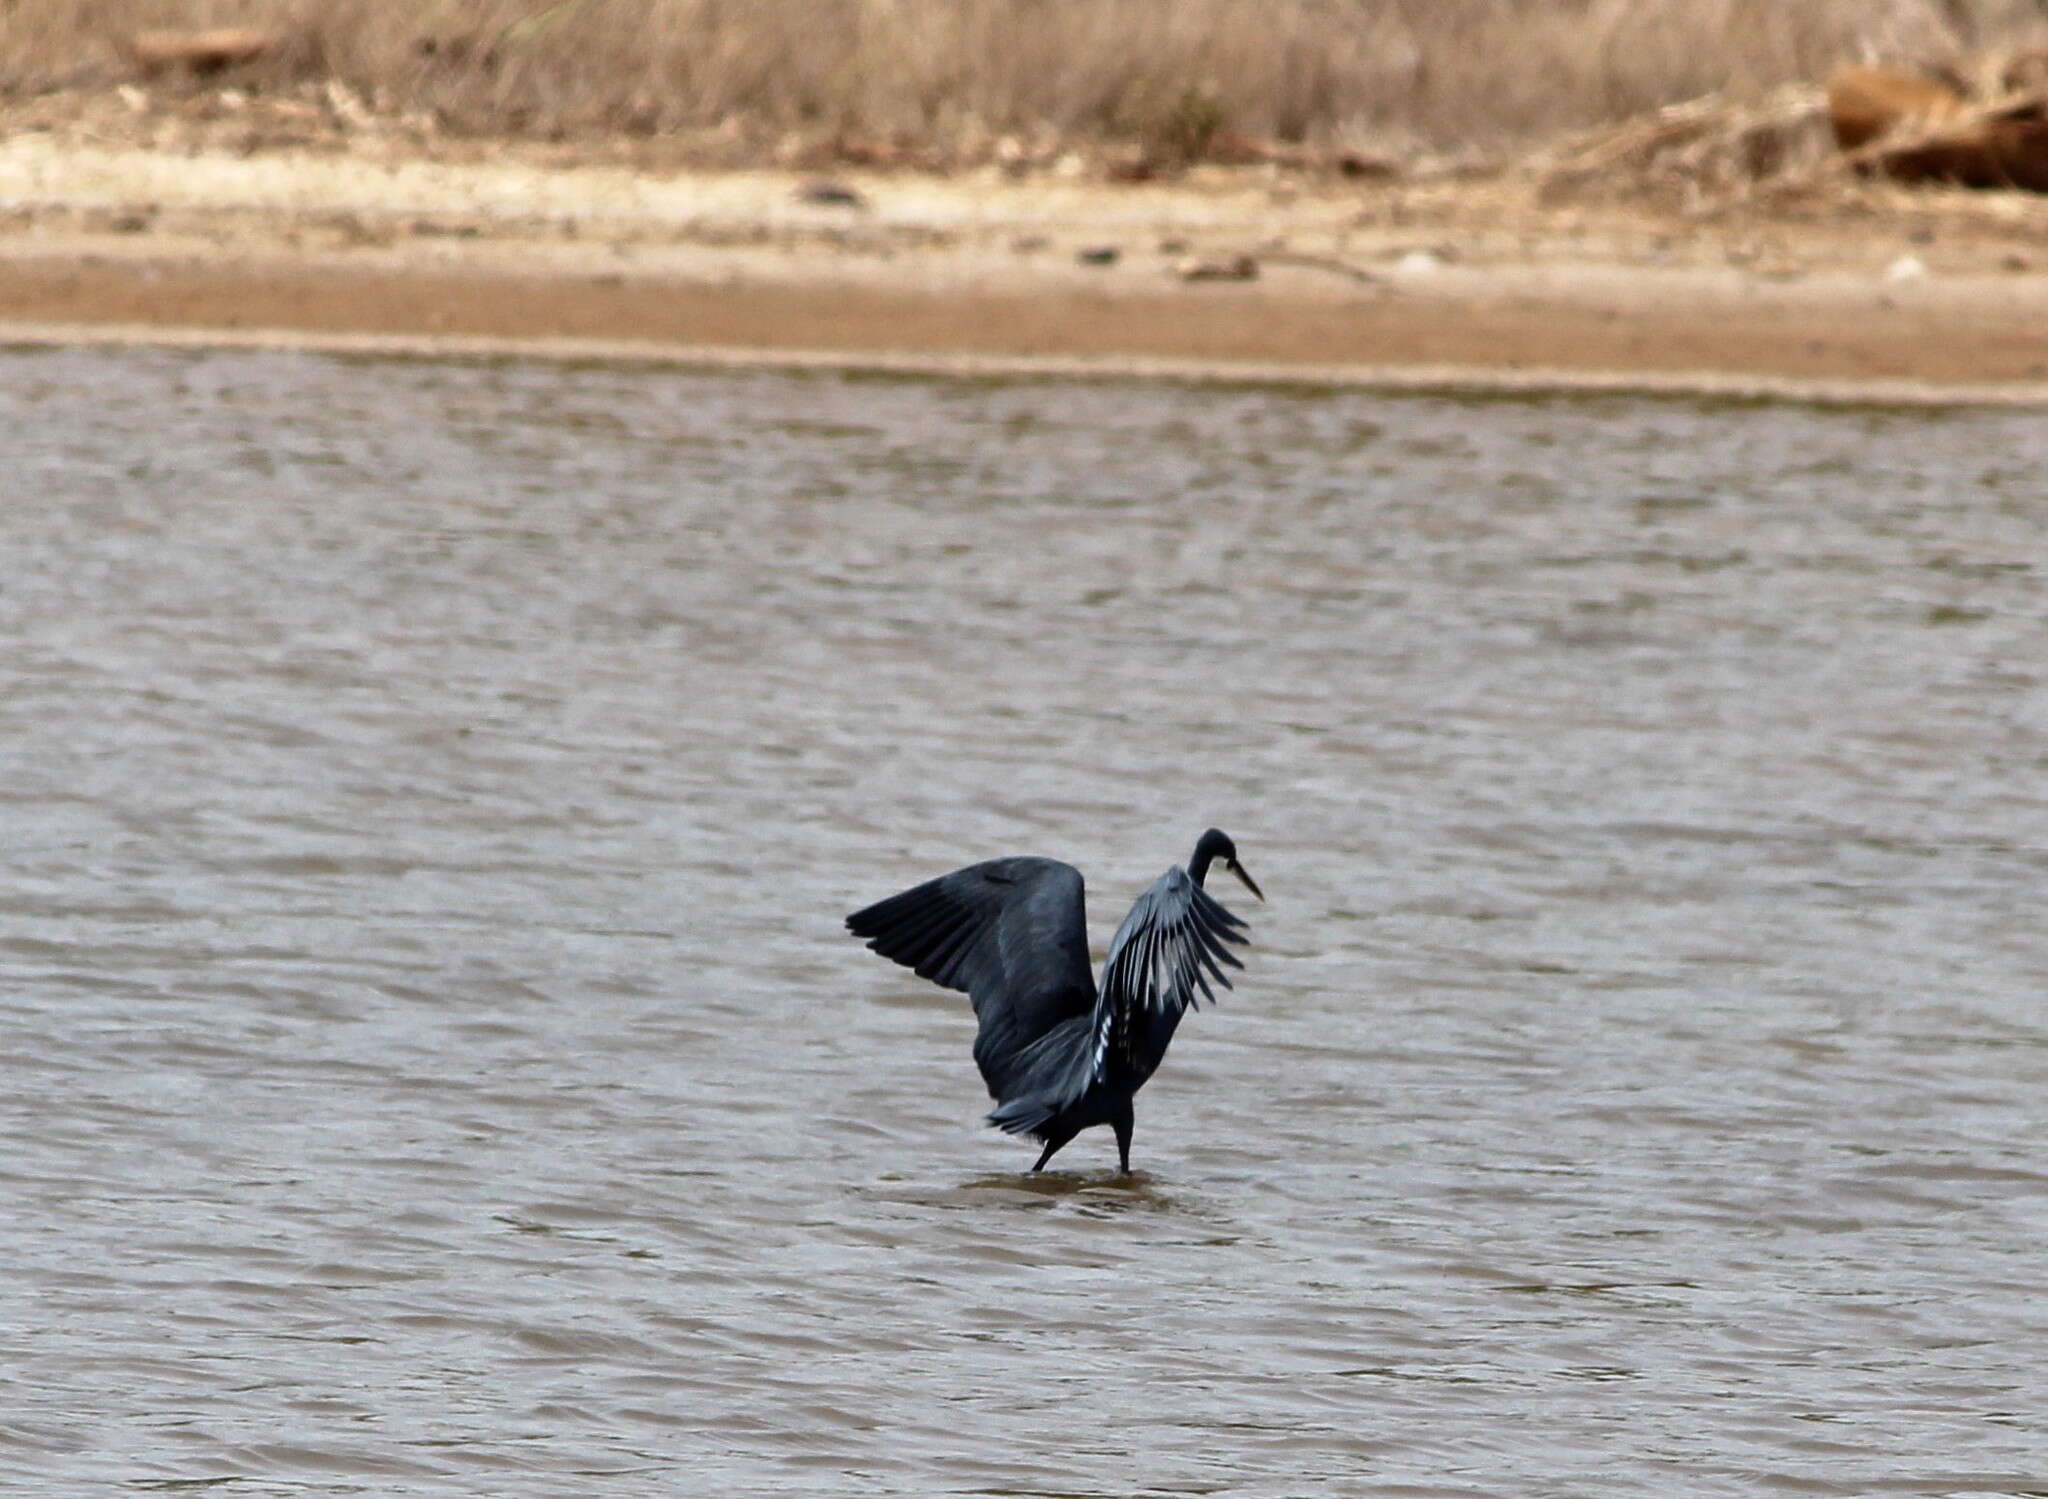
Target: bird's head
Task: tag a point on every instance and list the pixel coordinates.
(1212, 846)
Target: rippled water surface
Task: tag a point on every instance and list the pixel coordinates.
(434, 1065)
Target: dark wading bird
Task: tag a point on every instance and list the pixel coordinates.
(1058, 1054)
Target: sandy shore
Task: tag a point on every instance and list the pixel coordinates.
(1451, 284)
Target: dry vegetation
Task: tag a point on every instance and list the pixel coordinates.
(954, 82)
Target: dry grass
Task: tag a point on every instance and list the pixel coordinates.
(950, 81)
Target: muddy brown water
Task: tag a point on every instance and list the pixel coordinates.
(434, 1066)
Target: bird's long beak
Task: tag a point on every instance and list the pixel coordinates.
(1249, 883)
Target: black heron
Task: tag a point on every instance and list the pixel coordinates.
(1060, 1055)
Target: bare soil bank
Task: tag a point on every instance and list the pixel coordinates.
(1445, 282)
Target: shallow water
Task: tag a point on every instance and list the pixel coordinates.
(435, 1066)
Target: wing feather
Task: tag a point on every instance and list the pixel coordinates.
(1172, 948)
(1012, 934)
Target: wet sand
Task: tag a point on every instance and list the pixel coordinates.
(1435, 287)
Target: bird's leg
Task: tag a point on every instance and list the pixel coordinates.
(1046, 1154)
(1121, 1122)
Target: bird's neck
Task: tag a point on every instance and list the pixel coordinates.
(1198, 866)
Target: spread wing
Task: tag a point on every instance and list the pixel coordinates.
(1011, 933)
(1162, 962)
(1169, 948)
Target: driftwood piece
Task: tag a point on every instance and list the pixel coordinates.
(198, 51)
(1914, 128)
(1865, 103)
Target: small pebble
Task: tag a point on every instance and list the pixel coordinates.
(830, 195)
(1224, 268)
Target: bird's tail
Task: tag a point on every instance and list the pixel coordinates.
(1024, 1116)
(1049, 1075)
